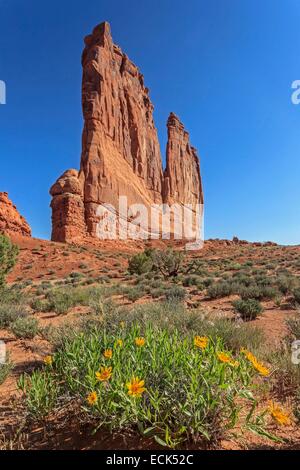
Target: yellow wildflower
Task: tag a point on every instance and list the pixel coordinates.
(104, 374)
(119, 342)
(279, 415)
(140, 341)
(261, 369)
(48, 360)
(201, 342)
(107, 353)
(248, 355)
(227, 359)
(259, 366)
(92, 398)
(135, 387)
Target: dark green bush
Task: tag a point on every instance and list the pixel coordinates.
(26, 327)
(8, 257)
(191, 280)
(220, 289)
(296, 295)
(258, 292)
(140, 263)
(61, 300)
(175, 294)
(5, 370)
(9, 313)
(248, 309)
(286, 284)
(40, 305)
(134, 293)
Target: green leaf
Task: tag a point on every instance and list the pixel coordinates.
(160, 441)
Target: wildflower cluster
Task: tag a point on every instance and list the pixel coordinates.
(259, 366)
(279, 414)
(171, 387)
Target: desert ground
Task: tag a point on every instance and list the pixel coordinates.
(53, 285)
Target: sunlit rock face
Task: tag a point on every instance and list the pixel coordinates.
(11, 221)
(120, 148)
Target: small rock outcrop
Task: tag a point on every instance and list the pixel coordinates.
(68, 222)
(11, 222)
(120, 148)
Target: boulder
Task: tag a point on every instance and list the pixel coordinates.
(11, 221)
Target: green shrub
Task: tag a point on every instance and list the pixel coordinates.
(83, 266)
(140, 263)
(175, 294)
(191, 280)
(287, 374)
(75, 275)
(262, 280)
(220, 289)
(208, 281)
(170, 316)
(13, 295)
(188, 393)
(8, 257)
(296, 296)
(251, 292)
(234, 267)
(9, 313)
(41, 392)
(196, 267)
(248, 309)
(258, 292)
(293, 325)
(286, 284)
(61, 300)
(5, 369)
(157, 292)
(154, 284)
(27, 327)
(99, 305)
(134, 293)
(40, 305)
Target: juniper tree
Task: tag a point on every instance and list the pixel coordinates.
(8, 257)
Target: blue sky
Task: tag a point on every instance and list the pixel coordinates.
(224, 66)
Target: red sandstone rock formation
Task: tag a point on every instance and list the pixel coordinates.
(11, 222)
(120, 149)
(182, 182)
(68, 222)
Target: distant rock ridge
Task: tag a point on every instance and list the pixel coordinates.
(11, 222)
(120, 148)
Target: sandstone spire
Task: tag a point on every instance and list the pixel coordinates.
(120, 149)
(182, 181)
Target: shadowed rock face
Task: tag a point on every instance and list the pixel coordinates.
(120, 149)
(11, 222)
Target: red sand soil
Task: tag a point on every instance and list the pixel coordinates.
(41, 260)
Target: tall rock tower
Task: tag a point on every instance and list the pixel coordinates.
(120, 149)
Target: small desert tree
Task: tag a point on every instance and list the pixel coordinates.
(8, 257)
(168, 262)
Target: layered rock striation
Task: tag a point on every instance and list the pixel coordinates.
(11, 221)
(120, 148)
